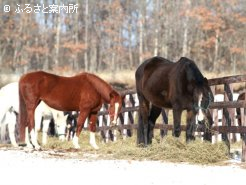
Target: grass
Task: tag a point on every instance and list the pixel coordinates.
(168, 149)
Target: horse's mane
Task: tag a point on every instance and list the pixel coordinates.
(100, 85)
(193, 74)
(186, 74)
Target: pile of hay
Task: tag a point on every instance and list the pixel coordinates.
(167, 149)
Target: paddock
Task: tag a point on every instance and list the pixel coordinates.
(50, 169)
(227, 131)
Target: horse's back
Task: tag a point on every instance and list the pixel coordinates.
(60, 92)
(9, 96)
(10, 88)
(151, 70)
(151, 64)
(38, 78)
(40, 85)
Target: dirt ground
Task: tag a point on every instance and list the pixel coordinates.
(22, 166)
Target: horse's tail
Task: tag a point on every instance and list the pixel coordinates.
(22, 116)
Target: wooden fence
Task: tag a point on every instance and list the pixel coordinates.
(227, 129)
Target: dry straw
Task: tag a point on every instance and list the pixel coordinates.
(168, 149)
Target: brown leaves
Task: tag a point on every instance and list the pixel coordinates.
(208, 19)
(37, 49)
(236, 50)
(74, 48)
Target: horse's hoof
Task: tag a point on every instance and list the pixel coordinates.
(15, 145)
(38, 148)
(29, 146)
(77, 147)
(95, 146)
(141, 145)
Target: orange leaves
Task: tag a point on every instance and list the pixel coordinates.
(74, 48)
(199, 12)
(115, 5)
(209, 43)
(240, 18)
(209, 20)
(37, 49)
(236, 50)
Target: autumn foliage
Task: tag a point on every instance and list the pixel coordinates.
(119, 34)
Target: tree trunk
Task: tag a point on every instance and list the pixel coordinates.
(86, 37)
(216, 51)
(58, 29)
(186, 22)
(141, 30)
(76, 60)
(130, 46)
(156, 43)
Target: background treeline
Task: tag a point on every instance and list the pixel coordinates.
(116, 35)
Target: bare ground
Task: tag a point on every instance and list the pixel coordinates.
(22, 166)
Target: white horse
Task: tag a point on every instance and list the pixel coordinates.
(9, 106)
(46, 113)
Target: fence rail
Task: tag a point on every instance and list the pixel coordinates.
(218, 129)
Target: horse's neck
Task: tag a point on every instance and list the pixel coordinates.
(101, 87)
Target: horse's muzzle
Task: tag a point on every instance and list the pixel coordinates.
(112, 123)
(200, 117)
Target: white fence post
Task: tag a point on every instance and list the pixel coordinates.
(126, 115)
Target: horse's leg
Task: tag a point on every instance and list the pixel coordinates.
(142, 133)
(154, 114)
(177, 117)
(38, 121)
(207, 133)
(11, 121)
(80, 125)
(239, 121)
(190, 126)
(92, 126)
(27, 140)
(31, 126)
(67, 131)
(46, 123)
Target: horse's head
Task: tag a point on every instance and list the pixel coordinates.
(115, 107)
(198, 87)
(201, 99)
(60, 124)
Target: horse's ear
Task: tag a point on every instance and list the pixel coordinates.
(112, 94)
(205, 79)
(123, 97)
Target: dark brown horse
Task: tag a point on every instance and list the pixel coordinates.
(240, 97)
(84, 93)
(180, 86)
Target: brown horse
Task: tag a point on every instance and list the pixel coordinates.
(84, 92)
(161, 83)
